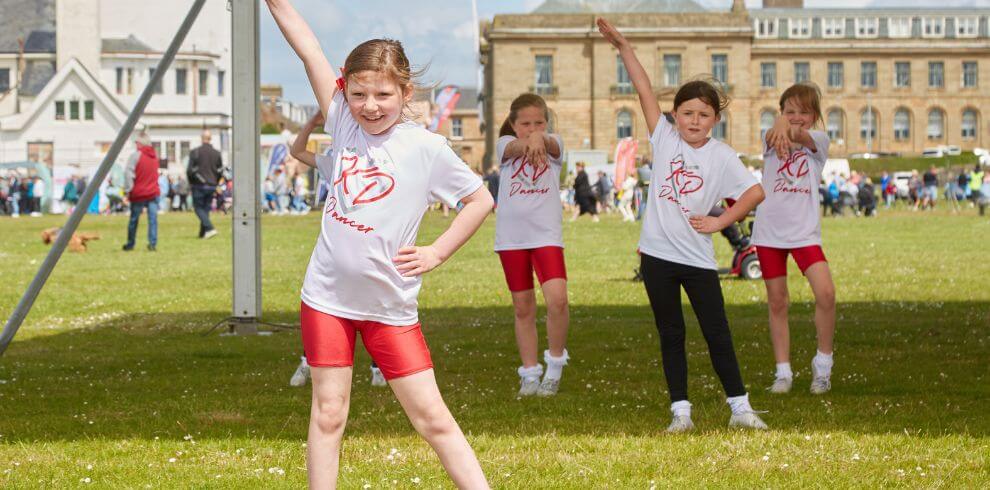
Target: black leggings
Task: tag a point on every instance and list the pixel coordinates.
(663, 282)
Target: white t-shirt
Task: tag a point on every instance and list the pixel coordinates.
(687, 182)
(380, 186)
(788, 217)
(529, 210)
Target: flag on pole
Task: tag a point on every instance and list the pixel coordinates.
(279, 153)
(625, 159)
(445, 100)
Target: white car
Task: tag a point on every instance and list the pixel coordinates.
(901, 181)
(953, 150)
(933, 153)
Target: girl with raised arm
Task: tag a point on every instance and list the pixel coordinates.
(692, 172)
(364, 274)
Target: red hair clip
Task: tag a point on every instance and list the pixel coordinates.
(342, 81)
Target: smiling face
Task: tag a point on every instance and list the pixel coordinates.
(529, 120)
(375, 100)
(695, 119)
(798, 115)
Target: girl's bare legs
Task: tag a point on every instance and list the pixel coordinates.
(820, 278)
(328, 416)
(420, 398)
(524, 306)
(778, 301)
(558, 316)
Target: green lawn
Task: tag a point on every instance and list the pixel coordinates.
(110, 382)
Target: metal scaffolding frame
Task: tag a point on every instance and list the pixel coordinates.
(246, 170)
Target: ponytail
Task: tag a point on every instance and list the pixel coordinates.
(506, 129)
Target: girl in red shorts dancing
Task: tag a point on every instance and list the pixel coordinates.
(528, 238)
(788, 223)
(364, 274)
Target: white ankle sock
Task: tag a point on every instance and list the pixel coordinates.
(739, 404)
(682, 407)
(555, 365)
(532, 372)
(823, 362)
(784, 370)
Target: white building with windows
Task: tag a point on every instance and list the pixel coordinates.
(71, 70)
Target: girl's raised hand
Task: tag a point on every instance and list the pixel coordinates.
(778, 138)
(317, 120)
(611, 34)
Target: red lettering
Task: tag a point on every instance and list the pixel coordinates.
(332, 211)
(781, 186)
(516, 188)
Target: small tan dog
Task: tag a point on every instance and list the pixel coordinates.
(76, 244)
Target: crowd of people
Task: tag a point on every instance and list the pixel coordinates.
(21, 193)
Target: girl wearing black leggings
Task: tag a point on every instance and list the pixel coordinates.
(692, 172)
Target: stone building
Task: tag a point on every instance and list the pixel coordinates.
(893, 80)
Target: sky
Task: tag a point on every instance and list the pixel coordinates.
(437, 33)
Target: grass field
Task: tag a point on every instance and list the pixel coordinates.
(111, 383)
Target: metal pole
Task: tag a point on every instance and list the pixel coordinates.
(246, 168)
(24, 306)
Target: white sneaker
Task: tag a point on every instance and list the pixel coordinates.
(747, 420)
(301, 375)
(820, 383)
(781, 385)
(680, 424)
(528, 386)
(548, 387)
(210, 234)
(377, 378)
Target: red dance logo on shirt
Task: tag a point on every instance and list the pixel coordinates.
(793, 169)
(358, 186)
(525, 178)
(681, 183)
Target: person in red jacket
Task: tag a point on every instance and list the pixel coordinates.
(141, 188)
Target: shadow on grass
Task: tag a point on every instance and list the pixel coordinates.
(914, 367)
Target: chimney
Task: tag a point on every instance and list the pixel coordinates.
(77, 33)
(783, 4)
(738, 6)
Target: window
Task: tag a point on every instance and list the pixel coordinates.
(623, 124)
(802, 71)
(835, 74)
(969, 124)
(970, 74)
(868, 74)
(902, 125)
(932, 27)
(157, 145)
(867, 27)
(4, 79)
(868, 124)
(59, 110)
(767, 118)
(158, 87)
(170, 149)
(936, 74)
(204, 80)
(622, 76)
(181, 77)
(671, 70)
(74, 110)
(456, 127)
(902, 74)
(768, 75)
(184, 152)
(720, 67)
(88, 110)
(899, 27)
(120, 80)
(721, 129)
(220, 80)
(967, 26)
(130, 81)
(833, 27)
(544, 74)
(936, 124)
(834, 124)
(800, 28)
(766, 27)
